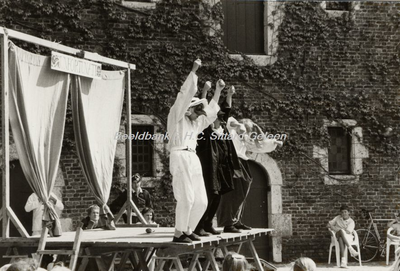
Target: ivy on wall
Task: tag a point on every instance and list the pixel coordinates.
(293, 96)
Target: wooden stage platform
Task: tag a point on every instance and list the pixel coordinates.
(139, 247)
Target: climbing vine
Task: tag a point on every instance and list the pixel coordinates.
(294, 95)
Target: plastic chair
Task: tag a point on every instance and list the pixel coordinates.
(335, 243)
(390, 242)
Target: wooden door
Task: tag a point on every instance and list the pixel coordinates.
(256, 208)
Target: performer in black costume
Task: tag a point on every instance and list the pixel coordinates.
(245, 137)
(219, 163)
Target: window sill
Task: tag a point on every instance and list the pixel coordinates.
(341, 179)
(259, 60)
(336, 13)
(139, 5)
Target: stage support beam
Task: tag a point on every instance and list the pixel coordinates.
(5, 140)
(65, 49)
(6, 34)
(128, 145)
(130, 207)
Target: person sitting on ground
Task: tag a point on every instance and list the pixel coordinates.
(304, 264)
(235, 262)
(92, 220)
(141, 197)
(343, 226)
(394, 235)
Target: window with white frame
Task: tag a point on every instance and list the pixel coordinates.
(143, 149)
(251, 28)
(140, 4)
(338, 8)
(339, 151)
(341, 162)
(147, 146)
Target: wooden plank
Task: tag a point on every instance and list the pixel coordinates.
(239, 248)
(142, 260)
(133, 237)
(149, 253)
(65, 49)
(160, 265)
(83, 264)
(16, 222)
(224, 250)
(178, 264)
(120, 213)
(42, 244)
(111, 267)
(55, 251)
(76, 248)
(255, 255)
(138, 213)
(194, 261)
(123, 260)
(210, 256)
(5, 141)
(128, 145)
(100, 264)
(134, 260)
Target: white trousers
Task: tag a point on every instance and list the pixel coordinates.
(189, 189)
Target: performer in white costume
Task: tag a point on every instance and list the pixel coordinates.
(187, 118)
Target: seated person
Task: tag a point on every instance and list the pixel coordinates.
(343, 226)
(394, 235)
(92, 220)
(140, 197)
(148, 215)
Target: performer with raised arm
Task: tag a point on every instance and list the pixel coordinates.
(246, 135)
(217, 156)
(187, 118)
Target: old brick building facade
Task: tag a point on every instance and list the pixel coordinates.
(321, 67)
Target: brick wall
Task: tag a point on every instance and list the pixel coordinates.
(305, 197)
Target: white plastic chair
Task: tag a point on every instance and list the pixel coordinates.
(390, 242)
(335, 243)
